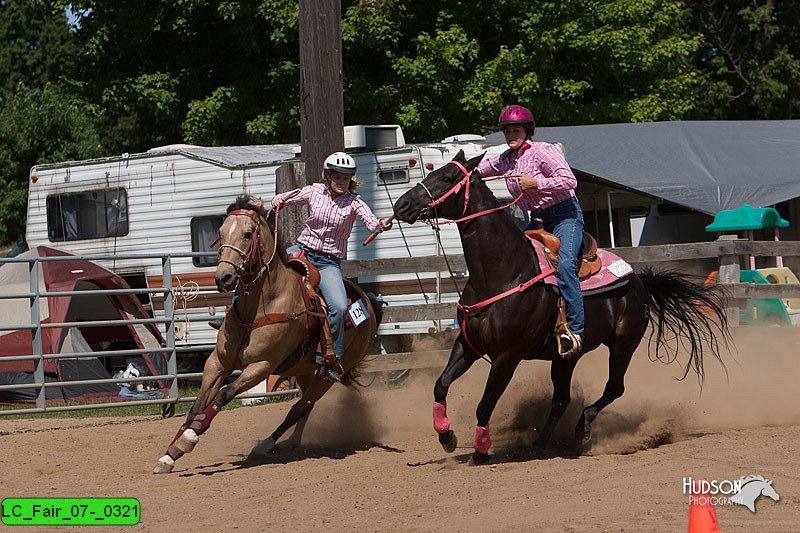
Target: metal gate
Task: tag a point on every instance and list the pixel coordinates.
(166, 326)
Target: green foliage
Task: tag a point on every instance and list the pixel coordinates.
(749, 62)
(37, 126)
(36, 45)
(163, 72)
(452, 66)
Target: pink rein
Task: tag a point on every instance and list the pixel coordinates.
(466, 309)
(454, 190)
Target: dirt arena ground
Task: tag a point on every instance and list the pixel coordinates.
(371, 461)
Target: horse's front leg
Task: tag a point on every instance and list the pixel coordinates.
(458, 363)
(500, 375)
(204, 409)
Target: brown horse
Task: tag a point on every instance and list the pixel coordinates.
(266, 331)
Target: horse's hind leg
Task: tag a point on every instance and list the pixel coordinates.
(456, 366)
(313, 389)
(619, 359)
(204, 409)
(561, 375)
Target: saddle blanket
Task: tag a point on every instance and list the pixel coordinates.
(613, 270)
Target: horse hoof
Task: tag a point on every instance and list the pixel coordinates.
(165, 465)
(582, 441)
(448, 440)
(263, 448)
(479, 458)
(187, 441)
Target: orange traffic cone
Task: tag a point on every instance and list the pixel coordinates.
(702, 516)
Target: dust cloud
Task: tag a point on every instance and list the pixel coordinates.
(759, 389)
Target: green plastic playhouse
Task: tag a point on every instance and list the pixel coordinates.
(757, 311)
(747, 217)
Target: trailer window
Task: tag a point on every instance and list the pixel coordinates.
(84, 215)
(394, 175)
(204, 233)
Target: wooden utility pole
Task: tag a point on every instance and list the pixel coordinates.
(321, 101)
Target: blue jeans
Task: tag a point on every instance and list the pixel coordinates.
(331, 285)
(565, 221)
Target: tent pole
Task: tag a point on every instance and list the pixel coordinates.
(610, 220)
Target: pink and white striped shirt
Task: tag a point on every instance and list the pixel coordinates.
(330, 221)
(540, 160)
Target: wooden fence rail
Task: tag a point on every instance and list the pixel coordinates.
(728, 251)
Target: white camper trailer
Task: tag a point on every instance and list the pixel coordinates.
(173, 199)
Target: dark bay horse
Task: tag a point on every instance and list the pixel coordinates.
(265, 332)
(522, 324)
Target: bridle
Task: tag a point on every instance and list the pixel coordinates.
(254, 251)
(435, 223)
(455, 189)
(264, 319)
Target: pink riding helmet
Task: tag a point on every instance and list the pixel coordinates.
(516, 114)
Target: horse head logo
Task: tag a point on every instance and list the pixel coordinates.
(752, 488)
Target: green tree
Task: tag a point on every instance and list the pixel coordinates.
(208, 72)
(750, 59)
(36, 127)
(36, 45)
(167, 71)
(451, 66)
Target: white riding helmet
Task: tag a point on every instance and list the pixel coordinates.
(340, 162)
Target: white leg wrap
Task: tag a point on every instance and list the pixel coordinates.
(187, 441)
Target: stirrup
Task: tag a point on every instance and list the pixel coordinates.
(331, 375)
(569, 344)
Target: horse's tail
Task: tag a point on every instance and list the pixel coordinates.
(685, 315)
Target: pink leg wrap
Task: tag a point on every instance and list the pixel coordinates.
(203, 420)
(482, 440)
(440, 421)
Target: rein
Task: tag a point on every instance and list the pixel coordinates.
(454, 190)
(435, 223)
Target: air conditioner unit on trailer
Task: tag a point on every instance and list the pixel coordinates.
(373, 137)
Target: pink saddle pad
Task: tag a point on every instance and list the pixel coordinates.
(614, 269)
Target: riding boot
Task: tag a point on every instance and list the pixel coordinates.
(326, 344)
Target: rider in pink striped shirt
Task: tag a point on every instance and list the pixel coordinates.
(333, 210)
(539, 172)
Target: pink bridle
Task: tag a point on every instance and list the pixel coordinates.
(467, 309)
(454, 190)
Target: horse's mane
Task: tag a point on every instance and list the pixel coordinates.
(251, 203)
